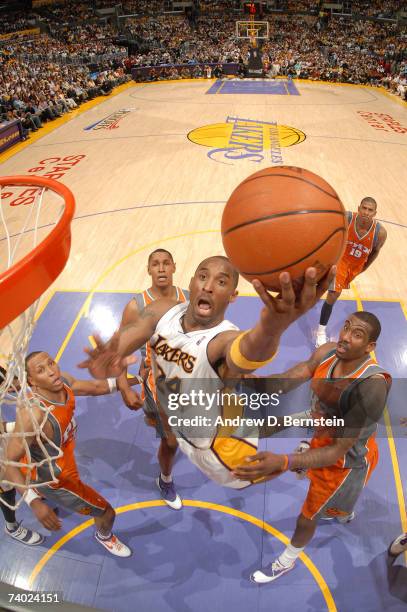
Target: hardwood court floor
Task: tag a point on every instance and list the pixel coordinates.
(141, 182)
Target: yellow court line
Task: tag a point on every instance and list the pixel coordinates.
(37, 316)
(84, 310)
(221, 87)
(92, 341)
(401, 500)
(56, 123)
(135, 252)
(344, 298)
(69, 334)
(192, 503)
(392, 447)
(165, 82)
(357, 296)
(391, 96)
(44, 304)
(382, 90)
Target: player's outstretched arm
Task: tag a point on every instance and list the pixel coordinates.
(257, 346)
(131, 398)
(109, 359)
(299, 373)
(14, 453)
(265, 464)
(97, 387)
(367, 403)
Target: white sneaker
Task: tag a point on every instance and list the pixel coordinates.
(114, 546)
(25, 536)
(320, 338)
(270, 573)
(169, 493)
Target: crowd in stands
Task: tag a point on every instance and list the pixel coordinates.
(352, 51)
(75, 57)
(345, 50)
(378, 8)
(368, 8)
(15, 22)
(302, 6)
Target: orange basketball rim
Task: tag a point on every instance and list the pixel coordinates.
(26, 280)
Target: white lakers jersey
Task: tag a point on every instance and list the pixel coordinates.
(188, 387)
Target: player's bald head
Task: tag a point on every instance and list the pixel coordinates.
(229, 267)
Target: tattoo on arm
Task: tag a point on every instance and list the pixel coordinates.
(322, 457)
(295, 376)
(146, 313)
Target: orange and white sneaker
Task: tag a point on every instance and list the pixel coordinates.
(114, 546)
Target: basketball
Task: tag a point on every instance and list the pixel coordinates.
(283, 219)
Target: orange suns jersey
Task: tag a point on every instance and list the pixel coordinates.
(143, 299)
(358, 248)
(330, 398)
(62, 420)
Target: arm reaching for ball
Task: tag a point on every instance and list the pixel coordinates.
(245, 352)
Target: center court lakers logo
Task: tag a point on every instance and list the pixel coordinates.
(249, 139)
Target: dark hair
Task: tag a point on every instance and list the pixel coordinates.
(160, 251)
(29, 357)
(372, 321)
(235, 272)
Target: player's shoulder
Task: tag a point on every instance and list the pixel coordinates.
(183, 293)
(323, 352)
(381, 231)
(158, 308)
(134, 305)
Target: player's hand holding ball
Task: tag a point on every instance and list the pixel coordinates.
(287, 306)
(284, 228)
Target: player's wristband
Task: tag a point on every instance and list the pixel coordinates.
(10, 427)
(112, 384)
(286, 463)
(30, 495)
(240, 360)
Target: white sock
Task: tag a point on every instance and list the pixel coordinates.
(12, 526)
(322, 329)
(166, 479)
(103, 537)
(289, 555)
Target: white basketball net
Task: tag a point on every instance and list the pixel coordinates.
(22, 227)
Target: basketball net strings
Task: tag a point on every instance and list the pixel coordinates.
(19, 333)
